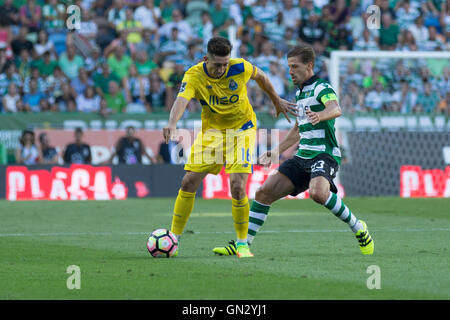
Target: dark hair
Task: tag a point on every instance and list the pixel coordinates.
(25, 132)
(78, 129)
(219, 46)
(304, 52)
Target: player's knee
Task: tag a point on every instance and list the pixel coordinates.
(263, 195)
(237, 190)
(318, 194)
(188, 184)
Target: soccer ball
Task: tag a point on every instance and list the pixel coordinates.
(162, 243)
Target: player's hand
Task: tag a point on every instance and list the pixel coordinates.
(266, 158)
(313, 117)
(285, 107)
(168, 133)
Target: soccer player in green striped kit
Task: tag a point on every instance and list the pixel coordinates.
(317, 160)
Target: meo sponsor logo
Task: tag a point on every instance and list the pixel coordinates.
(215, 100)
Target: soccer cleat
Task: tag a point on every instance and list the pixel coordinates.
(229, 250)
(243, 251)
(366, 244)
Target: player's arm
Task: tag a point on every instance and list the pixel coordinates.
(292, 138)
(332, 110)
(176, 112)
(281, 105)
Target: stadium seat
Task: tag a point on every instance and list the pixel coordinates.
(194, 11)
(136, 108)
(3, 154)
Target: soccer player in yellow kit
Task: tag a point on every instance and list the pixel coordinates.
(228, 132)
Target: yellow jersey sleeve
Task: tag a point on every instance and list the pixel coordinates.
(188, 85)
(249, 70)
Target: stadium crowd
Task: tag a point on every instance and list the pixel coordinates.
(130, 55)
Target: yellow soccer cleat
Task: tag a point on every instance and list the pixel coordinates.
(243, 251)
(229, 250)
(366, 244)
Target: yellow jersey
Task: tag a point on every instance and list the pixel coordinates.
(224, 100)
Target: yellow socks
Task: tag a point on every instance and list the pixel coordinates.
(240, 210)
(183, 208)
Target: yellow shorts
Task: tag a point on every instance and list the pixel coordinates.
(214, 148)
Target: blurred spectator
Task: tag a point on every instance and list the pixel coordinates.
(275, 30)
(116, 13)
(88, 29)
(419, 31)
(80, 83)
(340, 13)
(266, 57)
(21, 42)
(174, 49)
(377, 98)
(143, 64)
(46, 65)
(10, 75)
(9, 14)
(404, 98)
(353, 98)
(148, 15)
(119, 62)
(33, 98)
(77, 152)
(54, 15)
(102, 80)
(30, 15)
(204, 29)
(406, 14)
(136, 87)
(55, 83)
(277, 79)
(149, 43)
(218, 13)
(130, 149)
(427, 100)
(47, 153)
(406, 41)
(434, 42)
(389, 32)
(88, 101)
(366, 43)
(291, 14)
(131, 27)
(312, 29)
(444, 104)
(11, 100)
(66, 102)
(184, 28)
(27, 153)
(70, 62)
(264, 11)
(35, 75)
(115, 99)
(44, 45)
(158, 98)
(239, 11)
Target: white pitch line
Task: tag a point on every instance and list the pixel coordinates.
(68, 234)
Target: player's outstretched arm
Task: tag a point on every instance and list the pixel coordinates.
(292, 138)
(281, 105)
(175, 114)
(332, 110)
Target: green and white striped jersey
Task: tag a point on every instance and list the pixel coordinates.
(321, 137)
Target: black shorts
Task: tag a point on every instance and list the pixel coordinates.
(300, 171)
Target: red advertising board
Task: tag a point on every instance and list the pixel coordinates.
(78, 182)
(417, 182)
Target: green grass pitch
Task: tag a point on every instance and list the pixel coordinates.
(303, 251)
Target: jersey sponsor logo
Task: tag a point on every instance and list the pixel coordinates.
(331, 171)
(209, 87)
(232, 85)
(182, 87)
(215, 100)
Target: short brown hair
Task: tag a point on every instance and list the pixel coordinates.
(304, 52)
(219, 46)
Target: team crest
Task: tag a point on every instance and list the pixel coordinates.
(232, 85)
